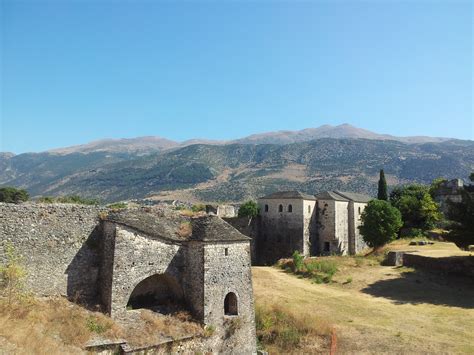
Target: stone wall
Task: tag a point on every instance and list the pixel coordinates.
(356, 243)
(227, 270)
(248, 226)
(281, 232)
(59, 244)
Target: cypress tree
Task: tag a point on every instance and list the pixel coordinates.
(382, 192)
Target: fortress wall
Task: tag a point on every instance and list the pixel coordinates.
(248, 226)
(59, 245)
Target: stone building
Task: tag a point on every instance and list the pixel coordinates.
(139, 258)
(314, 225)
(448, 191)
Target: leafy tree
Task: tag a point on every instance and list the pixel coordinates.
(248, 209)
(416, 206)
(13, 195)
(380, 223)
(462, 216)
(382, 192)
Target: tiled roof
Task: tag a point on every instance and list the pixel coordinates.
(343, 196)
(288, 195)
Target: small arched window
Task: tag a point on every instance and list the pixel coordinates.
(230, 304)
(266, 208)
(280, 208)
(290, 208)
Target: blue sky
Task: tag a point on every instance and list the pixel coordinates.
(76, 71)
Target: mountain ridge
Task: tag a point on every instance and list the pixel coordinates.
(151, 144)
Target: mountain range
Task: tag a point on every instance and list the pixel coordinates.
(312, 160)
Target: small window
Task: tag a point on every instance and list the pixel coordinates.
(230, 304)
(266, 208)
(327, 246)
(359, 210)
(309, 209)
(280, 208)
(226, 251)
(290, 208)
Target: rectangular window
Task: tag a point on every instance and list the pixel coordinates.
(226, 251)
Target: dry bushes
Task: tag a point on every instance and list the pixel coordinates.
(52, 326)
(282, 328)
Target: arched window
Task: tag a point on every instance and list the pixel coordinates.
(290, 208)
(266, 208)
(230, 304)
(280, 208)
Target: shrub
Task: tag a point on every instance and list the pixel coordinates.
(198, 207)
(248, 209)
(12, 274)
(13, 195)
(298, 261)
(117, 206)
(380, 223)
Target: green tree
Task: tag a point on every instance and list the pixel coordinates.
(13, 195)
(382, 192)
(380, 223)
(435, 185)
(248, 209)
(416, 206)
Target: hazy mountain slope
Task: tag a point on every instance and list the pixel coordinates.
(237, 171)
(149, 145)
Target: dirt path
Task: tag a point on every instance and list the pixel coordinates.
(368, 320)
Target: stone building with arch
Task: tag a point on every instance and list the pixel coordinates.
(139, 258)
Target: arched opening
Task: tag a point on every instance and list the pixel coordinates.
(160, 293)
(290, 208)
(230, 304)
(266, 208)
(280, 208)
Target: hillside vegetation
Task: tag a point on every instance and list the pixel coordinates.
(236, 172)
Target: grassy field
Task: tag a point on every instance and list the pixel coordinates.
(373, 309)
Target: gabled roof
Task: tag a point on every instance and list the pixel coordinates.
(213, 228)
(330, 195)
(343, 196)
(288, 195)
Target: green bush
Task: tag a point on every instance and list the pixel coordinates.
(248, 209)
(13, 195)
(298, 261)
(118, 206)
(198, 207)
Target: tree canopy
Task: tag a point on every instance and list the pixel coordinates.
(248, 209)
(380, 223)
(416, 205)
(13, 195)
(382, 190)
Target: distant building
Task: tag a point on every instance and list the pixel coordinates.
(448, 191)
(314, 225)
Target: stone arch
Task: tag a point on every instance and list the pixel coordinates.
(231, 307)
(290, 208)
(158, 292)
(280, 208)
(266, 208)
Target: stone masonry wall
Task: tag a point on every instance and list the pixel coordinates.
(227, 269)
(248, 226)
(59, 244)
(281, 232)
(137, 257)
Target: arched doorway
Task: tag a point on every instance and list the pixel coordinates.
(230, 305)
(160, 293)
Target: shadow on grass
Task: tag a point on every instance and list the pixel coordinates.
(421, 286)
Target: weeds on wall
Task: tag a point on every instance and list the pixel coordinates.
(12, 275)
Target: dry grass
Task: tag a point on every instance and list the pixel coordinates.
(154, 327)
(57, 326)
(52, 326)
(185, 229)
(382, 310)
(283, 328)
